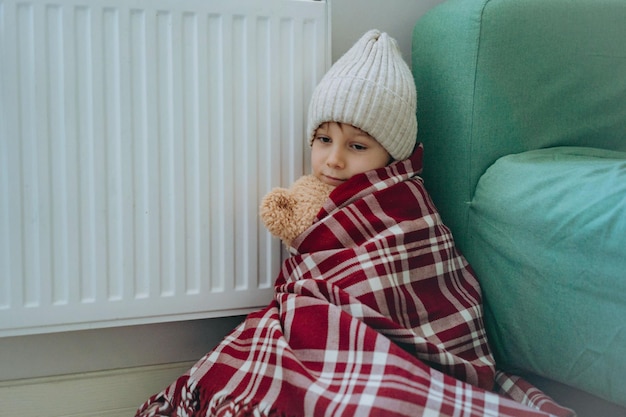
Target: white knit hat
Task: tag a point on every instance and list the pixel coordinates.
(370, 87)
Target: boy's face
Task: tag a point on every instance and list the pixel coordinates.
(340, 151)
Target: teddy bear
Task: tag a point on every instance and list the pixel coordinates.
(287, 212)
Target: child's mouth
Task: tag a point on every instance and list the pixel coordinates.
(332, 180)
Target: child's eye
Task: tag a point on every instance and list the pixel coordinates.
(359, 147)
(324, 139)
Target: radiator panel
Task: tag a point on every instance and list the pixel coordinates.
(136, 141)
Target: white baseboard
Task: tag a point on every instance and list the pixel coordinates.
(115, 393)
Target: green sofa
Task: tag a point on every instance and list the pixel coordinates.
(522, 113)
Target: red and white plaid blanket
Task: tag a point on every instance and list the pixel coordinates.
(376, 313)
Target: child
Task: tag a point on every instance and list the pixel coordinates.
(361, 118)
(376, 313)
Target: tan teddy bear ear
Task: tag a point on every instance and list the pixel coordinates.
(288, 212)
(278, 213)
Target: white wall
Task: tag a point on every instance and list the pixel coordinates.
(74, 352)
(352, 18)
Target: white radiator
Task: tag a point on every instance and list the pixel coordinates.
(136, 141)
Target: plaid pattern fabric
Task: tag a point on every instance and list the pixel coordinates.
(374, 314)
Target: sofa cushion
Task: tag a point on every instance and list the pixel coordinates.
(550, 228)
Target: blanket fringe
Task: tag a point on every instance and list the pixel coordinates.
(222, 405)
(522, 391)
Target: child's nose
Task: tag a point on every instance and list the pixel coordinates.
(336, 158)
